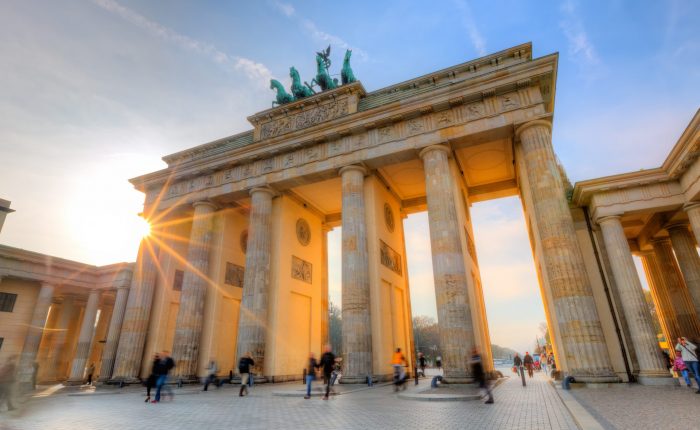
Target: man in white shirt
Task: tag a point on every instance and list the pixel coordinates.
(690, 357)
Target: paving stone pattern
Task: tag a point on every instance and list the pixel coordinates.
(535, 407)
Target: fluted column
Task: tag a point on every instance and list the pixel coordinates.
(87, 329)
(34, 334)
(356, 321)
(451, 288)
(132, 338)
(579, 325)
(644, 342)
(693, 211)
(325, 340)
(56, 365)
(190, 315)
(115, 326)
(660, 295)
(688, 260)
(252, 326)
(682, 304)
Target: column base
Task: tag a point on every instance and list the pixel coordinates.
(657, 379)
(457, 380)
(74, 382)
(357, 379)
(596, 379)
(129, 380)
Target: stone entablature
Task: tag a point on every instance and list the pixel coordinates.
(32, 266)
(470, 106)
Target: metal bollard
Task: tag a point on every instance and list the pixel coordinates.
(522, 375)
(303, 377)
(415, 373)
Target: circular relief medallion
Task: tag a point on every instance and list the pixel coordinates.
(244, 241)
(388, 217)
(303, 231)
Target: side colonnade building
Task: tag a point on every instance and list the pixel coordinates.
(237, 258)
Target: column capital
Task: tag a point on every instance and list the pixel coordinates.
(208, 203)
(537, 122)
(357, 167)
(264, 189)
(660, 240)
(677, 225)
(689, 206)
(608, 218)
(326, 228)
(439, 147)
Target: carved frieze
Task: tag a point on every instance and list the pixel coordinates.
(234, 275)
(389, 257)
(303, 231)
(301, 269)
(304, 119)
(388, 217)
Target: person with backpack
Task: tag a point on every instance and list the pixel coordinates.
(244, 367)
(690, 358)
(328, 364)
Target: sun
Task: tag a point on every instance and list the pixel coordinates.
(143, 228)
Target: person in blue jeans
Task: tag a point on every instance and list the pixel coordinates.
(310, 374)
(690, 358)
(161, 370)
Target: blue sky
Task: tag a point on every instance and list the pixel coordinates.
(95, 92)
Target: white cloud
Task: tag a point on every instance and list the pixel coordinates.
(255, 71)
(285, 8)
(581, 49)
(477, 39)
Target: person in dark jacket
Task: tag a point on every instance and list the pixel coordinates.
(518, 364)
(327, 364)
(529, 363)
(480, 376)
(244, 365)
(164, 366)
(421, 363)
(310, 374)
(151, 381)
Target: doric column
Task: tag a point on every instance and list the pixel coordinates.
(688, 260)
(115, 326)
(682, 304)
(325, 340)
(87, 329)
(693, 211)
(644, 342)
(34, 334)
(579, 325)
(56, 365)
(188, 326)
(451, 288)
(356, 321)
(252, 326)
(661, 297)
(132, 338)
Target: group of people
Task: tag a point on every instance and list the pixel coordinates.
(528, 363)
(329, 366)
(686, 357)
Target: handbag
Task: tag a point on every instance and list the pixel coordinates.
(514, 369)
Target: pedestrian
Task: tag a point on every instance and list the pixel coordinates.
(152, 377)
(398, 361)
(543, 362)
(330, 367)
(518, 364)
(690, 357)
(7, 382)
(528, 362)
(310, 374)
(244, 366)
(212, 370)
(90, 372)
(680, 367)
(165, 364)
(480, 376)
(438, 362)
(421, 363)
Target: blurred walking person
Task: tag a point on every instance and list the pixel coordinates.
(212, 370)
(152, 378)
(90, 372)
(244, 366)
(7, 382)
(480, 375)
(398, 362)
(165, 364)
(328, 365)
(310, 374)
(518, 364)
(421, 363)
(529, 363)
(690, 358)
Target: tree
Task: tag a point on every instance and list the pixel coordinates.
(426, 335)
(335, 328)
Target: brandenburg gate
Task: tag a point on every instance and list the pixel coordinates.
(237, 259)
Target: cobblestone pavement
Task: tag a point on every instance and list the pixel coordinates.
(633, 406)
(533, 407)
